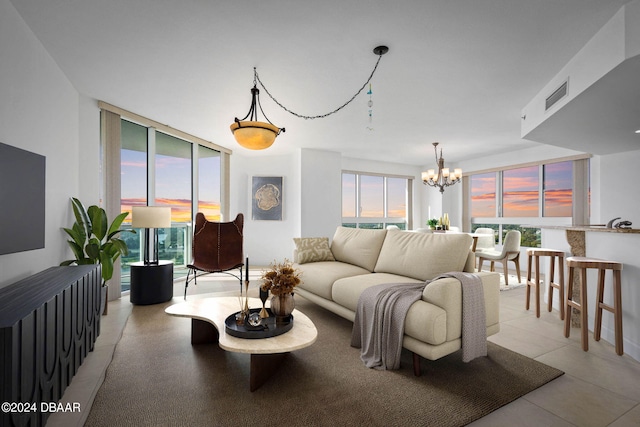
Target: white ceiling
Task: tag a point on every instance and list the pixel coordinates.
(458, 72)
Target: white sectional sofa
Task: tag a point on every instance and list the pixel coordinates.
(335, 274)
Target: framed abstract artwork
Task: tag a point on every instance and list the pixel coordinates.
(266, 198)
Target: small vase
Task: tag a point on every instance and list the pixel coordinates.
(282, 305)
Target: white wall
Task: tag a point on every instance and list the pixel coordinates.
(618, 183)
(619, 195)
(321, 179)
(91, 184)
(266, 241)
(39, 112)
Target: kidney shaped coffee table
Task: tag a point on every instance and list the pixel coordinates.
(208, 326)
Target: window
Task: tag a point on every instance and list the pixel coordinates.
(375, 201)
(133, 189)
(483, 195)
(520, 192)
(209, 197)
(533, 194)
(371, 196)
(349, 199)
(173, 172)
(158, 169)
(558, 189)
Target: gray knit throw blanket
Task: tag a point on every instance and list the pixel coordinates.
(378, 328)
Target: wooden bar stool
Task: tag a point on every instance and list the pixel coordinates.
(582, 264)
(535, 254)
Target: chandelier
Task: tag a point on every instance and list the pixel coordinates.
(443, 177)
(256, 135)
(253, 134)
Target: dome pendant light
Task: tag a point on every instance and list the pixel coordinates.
(253, 134)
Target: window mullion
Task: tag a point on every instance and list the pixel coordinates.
(358, 201)
(499, 198)
(195, 188)
(541, 191)
(385, 198)
(151, 166)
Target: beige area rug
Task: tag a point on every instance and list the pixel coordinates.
(157, 378)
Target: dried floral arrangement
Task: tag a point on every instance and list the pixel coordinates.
(281, 279)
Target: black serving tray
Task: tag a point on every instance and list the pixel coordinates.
(268, 328)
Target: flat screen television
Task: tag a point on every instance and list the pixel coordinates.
(22, 200)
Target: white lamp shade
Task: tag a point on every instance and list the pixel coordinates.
(151, 217)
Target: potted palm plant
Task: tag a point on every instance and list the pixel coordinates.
(95, 241)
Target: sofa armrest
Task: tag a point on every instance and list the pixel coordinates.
(447, 294)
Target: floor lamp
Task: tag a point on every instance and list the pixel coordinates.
(151, 217)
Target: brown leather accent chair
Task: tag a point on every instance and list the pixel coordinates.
(217, 248)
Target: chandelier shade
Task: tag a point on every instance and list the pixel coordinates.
(443, 177)
(254, 135)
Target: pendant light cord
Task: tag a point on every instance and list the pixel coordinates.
(320, 116)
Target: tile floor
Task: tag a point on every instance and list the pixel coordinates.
(599, 388)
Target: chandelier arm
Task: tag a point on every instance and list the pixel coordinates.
(245, 117)
(252, 109)
(320, 116)
(265, 116)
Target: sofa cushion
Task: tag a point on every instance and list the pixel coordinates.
(312, 249)
(425, 321)
(347, 291)
(358, 246)
(423, 256)
(318, 277)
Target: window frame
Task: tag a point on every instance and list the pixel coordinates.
(111, 118)
(385, 219)
(580, 197)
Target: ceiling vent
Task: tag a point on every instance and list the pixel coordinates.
(556, 96)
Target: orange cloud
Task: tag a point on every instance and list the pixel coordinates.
(180, 208)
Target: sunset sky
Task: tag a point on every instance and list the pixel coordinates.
(173, 180)
(520, 192)
(372, 196)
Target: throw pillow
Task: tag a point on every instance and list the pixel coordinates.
(313, 249)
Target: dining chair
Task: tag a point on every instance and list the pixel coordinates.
(487, 241)
(510, 252)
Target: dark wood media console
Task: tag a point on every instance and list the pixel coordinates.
(48, 324)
